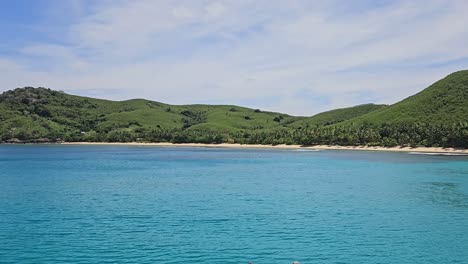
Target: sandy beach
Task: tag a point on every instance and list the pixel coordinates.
(317, 147)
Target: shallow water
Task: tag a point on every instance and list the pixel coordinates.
(129, 204)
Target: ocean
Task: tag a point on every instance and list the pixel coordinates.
(143, 204)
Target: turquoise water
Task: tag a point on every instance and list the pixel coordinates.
(119, 204)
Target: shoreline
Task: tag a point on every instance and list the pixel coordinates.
(258, 146)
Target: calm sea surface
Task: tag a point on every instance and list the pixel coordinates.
(127, 204)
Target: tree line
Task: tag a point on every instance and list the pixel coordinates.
(387, 135)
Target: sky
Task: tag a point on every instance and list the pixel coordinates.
(298, 56)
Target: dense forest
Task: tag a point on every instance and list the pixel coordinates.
(437, 116)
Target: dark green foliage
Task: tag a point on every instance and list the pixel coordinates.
(437, 116)
(193, 117)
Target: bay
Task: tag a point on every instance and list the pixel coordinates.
(141, 204)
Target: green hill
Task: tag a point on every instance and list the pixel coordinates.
(38, 112)
(437, 116)
(445, 101)
(338, 115)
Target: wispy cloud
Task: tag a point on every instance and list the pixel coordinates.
(299, 57)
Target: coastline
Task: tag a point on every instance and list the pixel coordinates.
(317, 147)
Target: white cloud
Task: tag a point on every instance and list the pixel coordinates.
(301, 57)
(181, 12)
(215, 9)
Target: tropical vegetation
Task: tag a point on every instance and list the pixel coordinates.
(437, 116)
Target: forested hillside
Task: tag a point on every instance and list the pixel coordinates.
(437, 116)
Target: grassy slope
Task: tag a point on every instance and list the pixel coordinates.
(444, 101)
(338, 115)
(39, 108)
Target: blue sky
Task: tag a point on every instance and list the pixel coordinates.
(298, 56)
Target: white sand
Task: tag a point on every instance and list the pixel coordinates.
(318, 147)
